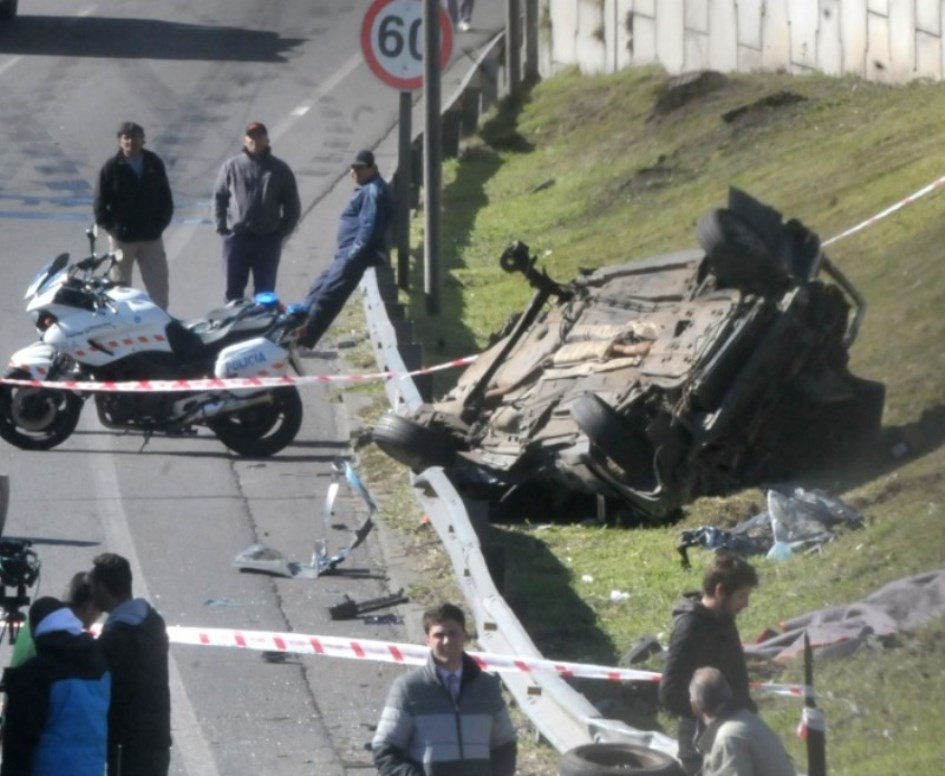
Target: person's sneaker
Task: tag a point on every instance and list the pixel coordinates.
(464, 26)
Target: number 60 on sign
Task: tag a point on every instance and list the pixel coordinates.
(392, 41)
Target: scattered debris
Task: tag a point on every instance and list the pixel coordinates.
(801, 522)
(349, 608)
(259, 557)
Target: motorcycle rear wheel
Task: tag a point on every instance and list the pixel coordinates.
(262, 430)
(36, 418)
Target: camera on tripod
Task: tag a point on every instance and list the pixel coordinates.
(19, 570)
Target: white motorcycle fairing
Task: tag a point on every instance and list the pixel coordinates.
(37, 359)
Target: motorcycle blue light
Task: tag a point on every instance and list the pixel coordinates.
(266, 299)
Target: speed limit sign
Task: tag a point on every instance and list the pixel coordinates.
(392, 41)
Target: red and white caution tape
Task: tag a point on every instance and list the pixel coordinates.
(888, 211)
(226, 384)
(415, 654)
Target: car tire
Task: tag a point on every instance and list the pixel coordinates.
(626, 445)
(616, 759)
(413, 444)
(737, 255)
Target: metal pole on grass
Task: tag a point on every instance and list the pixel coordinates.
(816, 739)
(431, 156)
(404, 174)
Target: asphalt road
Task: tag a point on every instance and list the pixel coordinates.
(181, 509)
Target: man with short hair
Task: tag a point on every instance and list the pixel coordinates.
(134, 640)
(447, 718)
(255, 208)
(705, 634)
(133, 203)
(735, 741)
(361, 243)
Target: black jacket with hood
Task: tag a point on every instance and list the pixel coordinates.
(701, 637)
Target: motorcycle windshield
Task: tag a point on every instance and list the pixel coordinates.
(48, 275)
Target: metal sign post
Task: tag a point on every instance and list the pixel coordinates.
(395, 40)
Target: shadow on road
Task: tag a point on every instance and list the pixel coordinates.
(105, 37)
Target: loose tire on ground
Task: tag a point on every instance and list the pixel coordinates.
(616, 759)
(413, 444)
(264, 429)
(36, 418)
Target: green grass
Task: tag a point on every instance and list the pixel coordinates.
(586, 173)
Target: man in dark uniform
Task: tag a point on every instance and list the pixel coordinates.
(361, 243)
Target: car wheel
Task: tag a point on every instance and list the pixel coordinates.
(626, 444)
(737, 255)
(413, 444)
(616, 759)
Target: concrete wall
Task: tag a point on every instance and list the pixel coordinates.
(890, 41)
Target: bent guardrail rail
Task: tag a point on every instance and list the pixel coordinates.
(560, 713)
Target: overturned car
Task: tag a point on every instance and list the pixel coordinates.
(654, 382)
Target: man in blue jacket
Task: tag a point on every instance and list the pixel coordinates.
(447, 718)
(57, 701)
(361, 243)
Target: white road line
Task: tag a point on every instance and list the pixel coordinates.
(336, 78)
(189, 741)
(8, 64)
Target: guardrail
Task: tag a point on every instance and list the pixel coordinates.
(560, 713)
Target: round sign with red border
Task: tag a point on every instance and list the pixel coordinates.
(392, 41)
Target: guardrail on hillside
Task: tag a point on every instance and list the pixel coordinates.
(561, 714)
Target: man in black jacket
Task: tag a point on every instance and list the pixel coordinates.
(133, 203)
(134, 640)
(705, 634)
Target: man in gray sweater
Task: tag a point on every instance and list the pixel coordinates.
(255, 207)
(447, 718)
(735, 741)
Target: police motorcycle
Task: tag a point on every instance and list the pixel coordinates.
(93, 330)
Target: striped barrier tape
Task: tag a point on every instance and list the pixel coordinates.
(415, 655)
(888, 211)
(225, 384)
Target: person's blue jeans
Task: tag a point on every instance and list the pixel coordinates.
(247, 253)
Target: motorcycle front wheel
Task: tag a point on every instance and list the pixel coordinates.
(36, 418)
(264, 429)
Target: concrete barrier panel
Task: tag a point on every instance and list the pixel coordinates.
(723, 37)
(776, 37)
(670, 43)
(829, 45)
(878, 63)
(748, 18)
(853, 31)
(802, 19)
(902, 32)
(928, 55)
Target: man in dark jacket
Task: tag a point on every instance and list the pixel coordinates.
(255, 207)
(361, 243)
(133, 204)
(57, 701)
(448, 717)
(134, 640)
(705, 634)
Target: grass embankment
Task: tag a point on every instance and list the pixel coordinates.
(587, 173)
